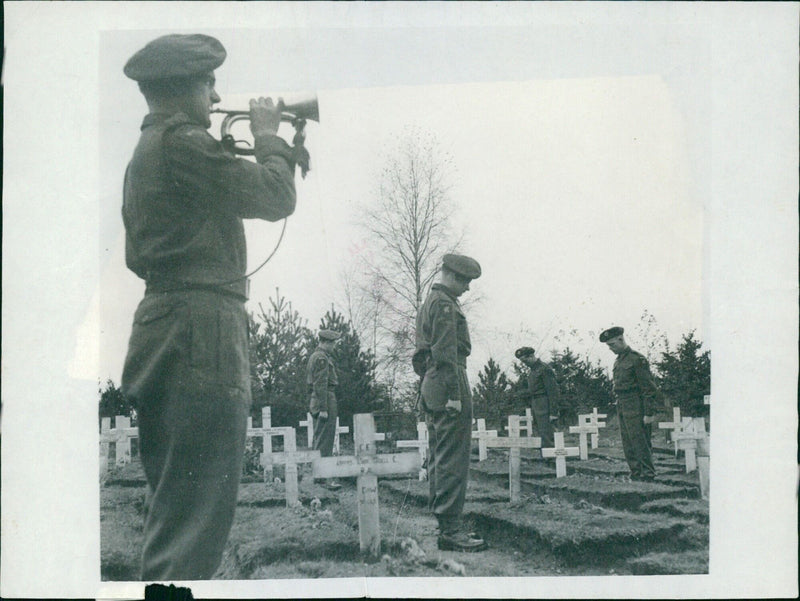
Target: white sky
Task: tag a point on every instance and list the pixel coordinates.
(578, 194)
(593, 141)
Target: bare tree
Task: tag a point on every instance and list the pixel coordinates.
(407, 227)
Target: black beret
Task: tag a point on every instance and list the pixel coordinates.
(524, 351)
(611, 333)
(329, 335)
(176, 55)
(462, 265)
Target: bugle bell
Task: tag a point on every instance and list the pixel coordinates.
(295, 113)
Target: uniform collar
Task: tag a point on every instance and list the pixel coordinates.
(164, 118)
(445, 289)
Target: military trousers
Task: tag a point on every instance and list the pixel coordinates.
(540, 407)
(187, 373)
(325, 429)
(636, 438)
(449, 441)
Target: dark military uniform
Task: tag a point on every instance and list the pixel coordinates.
(637, 396)
(443, 344)
(322, 381)
(187, 368)
(544, 394)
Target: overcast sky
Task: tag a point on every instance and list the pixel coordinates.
(578, 179)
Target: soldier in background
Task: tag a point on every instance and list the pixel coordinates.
(322, 380)
(638, 399)
(187, 367)
(541, 387)
(440, 358)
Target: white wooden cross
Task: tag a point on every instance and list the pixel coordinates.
(593, 419)
(266, 433)
(676, 425)
(308, 424)
(707, 399)
(120, 435)
(525, 423)
(339, 430)
(560, 452)
(703, 462)
(266, 455)
(421, 444)
(687, 440)
(482, 434)
(290, 457)
(514, 442)
(582, 430)
(366, 465)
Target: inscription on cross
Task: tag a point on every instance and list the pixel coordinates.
(421, 444)
(514, 442)
(366, 465)
(560, 452)
(266, 434)
(482, 434)
(290, 457)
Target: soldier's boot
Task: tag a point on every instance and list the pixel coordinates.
(453, 538)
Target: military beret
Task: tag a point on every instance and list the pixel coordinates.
(175, 55)
(462, 265)
(611, 333)
(524, 351)
(329, 335)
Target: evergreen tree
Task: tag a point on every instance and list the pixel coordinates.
(113, 402)
(278, 355)
(491, 398)
(684, 375)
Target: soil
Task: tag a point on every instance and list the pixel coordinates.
(594, 521)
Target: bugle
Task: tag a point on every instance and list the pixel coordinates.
(296, 113)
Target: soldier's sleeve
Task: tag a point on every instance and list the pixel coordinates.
(553, 393)
(646, 383)
(211, 175)
(319, 380)
(444, 345)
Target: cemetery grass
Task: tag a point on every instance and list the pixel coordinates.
(573, 526)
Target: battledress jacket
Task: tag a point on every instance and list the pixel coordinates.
(442, 348)
(634, 385)
(322, 381)
(185, 197)
(541, 381)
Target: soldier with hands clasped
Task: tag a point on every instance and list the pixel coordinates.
(637, 403)
(440, 358)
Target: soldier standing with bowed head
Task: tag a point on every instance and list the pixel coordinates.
(637, 395)
(542, 388)
(187, 367)
(442, 348)
(322, 380)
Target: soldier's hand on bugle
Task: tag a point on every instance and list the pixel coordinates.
(265, 116)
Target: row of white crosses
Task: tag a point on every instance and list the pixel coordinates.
(588, 424)
(308, 424)
(689, 435)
